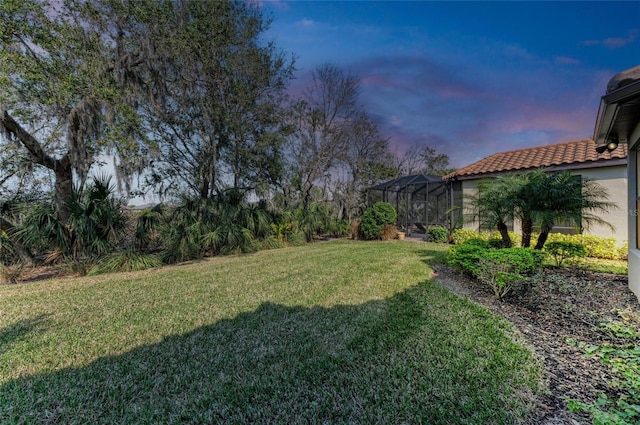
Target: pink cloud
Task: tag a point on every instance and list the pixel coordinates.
(376, 80)
(614, 42)
(536, 118)
(456, 92)
(565, 60)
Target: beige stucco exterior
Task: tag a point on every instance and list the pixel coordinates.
(614, 180)
(633, 215)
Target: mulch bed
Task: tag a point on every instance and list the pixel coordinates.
(564, 305)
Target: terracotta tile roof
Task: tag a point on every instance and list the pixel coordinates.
(578, 154)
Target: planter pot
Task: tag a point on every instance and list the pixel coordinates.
(400, 236)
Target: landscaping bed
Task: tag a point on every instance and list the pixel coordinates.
(565, 308)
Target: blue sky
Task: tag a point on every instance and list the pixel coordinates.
(467, 78)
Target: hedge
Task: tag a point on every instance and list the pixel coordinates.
(596, 246)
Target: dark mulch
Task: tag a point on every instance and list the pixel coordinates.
(563, 306)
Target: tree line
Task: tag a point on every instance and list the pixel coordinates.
(191, 103)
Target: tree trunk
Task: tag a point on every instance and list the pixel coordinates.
(63, 188)
(542, 239)
(504, 232)
(527, 229)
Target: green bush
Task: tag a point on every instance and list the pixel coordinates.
(298, 238)
(125, 261)
(496, 243)
(272, 242)
(340, 228)
(437, 234)
(499, 276)
(525, 261)
(375, 218)
(478, 242)
(596, 246)
(466, 257)
(561, 251)
(501, 268)
(462, 235)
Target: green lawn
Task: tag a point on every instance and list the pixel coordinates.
(335, 332)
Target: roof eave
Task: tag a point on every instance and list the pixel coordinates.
(608, 111)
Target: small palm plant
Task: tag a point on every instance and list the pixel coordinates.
(95, 226)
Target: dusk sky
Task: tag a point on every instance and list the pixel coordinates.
(467, 78)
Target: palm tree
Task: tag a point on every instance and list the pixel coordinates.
(234, 224)
(563, 196)
(538, 198)
(494, 205)
(527, 203)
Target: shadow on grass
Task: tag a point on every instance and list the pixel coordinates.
(434, 256)
(20, 330)
(400, 360)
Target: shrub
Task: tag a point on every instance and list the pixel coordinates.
(297, 238)
(282, 230)
(460, 236)
(125, 261)
(466, 257)
(339, 228)
(496, 243)
(437, 234)
(524, 261)
(561, 251)
(478, 242)
(375, 218)
(596, 246)
(272, 242)
(503, 268)
(499, 276)
(389, 232)
(623, 251)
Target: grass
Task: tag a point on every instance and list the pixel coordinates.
(336, 332)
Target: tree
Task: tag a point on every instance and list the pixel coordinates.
(563, 196)
(494, 204)
(319, 121)
(367, 160)
(64, 70)
(218, 121)
(423, 160)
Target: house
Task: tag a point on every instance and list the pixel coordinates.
(608, 168)
(618, 126)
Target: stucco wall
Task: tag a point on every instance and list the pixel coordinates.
(469, 189)
(632, 217)
(614, 180)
